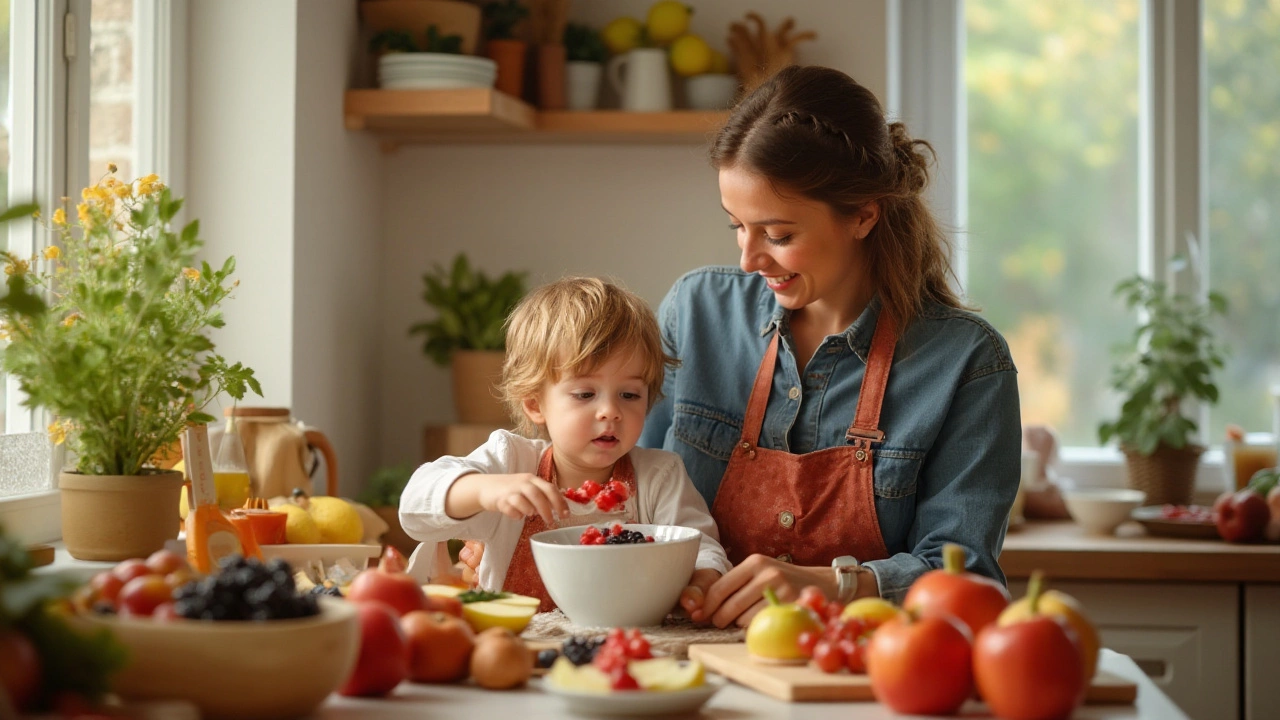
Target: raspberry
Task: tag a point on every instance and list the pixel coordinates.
(620, 679)
(591, 488)
(619, 488)
(607, 501)
(576, 495)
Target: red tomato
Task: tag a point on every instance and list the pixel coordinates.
(1029, 669)
(827, 656)
(973, 599)
(921, 667)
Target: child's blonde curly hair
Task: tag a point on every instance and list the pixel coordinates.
(571, 327)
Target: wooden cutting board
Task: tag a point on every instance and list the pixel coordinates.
(801, 683)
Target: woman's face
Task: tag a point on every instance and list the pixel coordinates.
(808, 255)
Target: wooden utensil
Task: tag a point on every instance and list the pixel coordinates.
(761, 53)
(802, 683)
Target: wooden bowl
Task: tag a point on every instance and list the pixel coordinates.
(229, 669)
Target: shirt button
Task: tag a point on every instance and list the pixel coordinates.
(786, 519)
(785, 557)
(794, 393)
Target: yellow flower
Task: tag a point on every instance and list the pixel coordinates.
(59, 217)
(82, 212)
(191, 274)
(36, 214)
(16, 267)
(4, 331)
(58, 431)
(121, 190)
(149, 184)
(53, 252)
(70, 320)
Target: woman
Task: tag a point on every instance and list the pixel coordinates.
(836, 404)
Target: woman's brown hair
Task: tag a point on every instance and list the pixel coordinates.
(815, 132)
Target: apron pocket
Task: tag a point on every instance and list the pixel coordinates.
(706, 430)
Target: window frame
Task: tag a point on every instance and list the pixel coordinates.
(50, 72)
(926, 90)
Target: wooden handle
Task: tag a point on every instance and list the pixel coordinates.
(317, 439)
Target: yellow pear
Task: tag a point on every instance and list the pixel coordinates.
(1069, 609)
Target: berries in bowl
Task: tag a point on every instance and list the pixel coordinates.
(642, 580)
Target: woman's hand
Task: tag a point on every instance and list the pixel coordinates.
(521, 495)
(739, 595)
(693, 595)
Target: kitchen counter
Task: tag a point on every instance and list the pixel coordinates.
(733, 701)
(1064, 552)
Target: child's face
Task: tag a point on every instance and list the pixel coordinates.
(593, 420)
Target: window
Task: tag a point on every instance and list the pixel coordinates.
(1093, 139)
(90, 82)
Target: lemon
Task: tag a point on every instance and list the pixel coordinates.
(621, 35)
(690, 55)
(668, 20)
(870, 608)
(587, 678)
(719, 63)
(337, 520)
(492, 613)
(666, 674)
(300, 528)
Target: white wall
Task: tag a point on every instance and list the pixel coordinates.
(642, 214)
(278, 182)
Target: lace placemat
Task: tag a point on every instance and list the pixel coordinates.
(673, 636)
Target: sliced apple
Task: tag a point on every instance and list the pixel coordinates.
(565, 675)
(491, 613)
(667, 674)
(519, 601)
(443, 590)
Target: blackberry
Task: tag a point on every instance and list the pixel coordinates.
(580, 650)
(245, 589)
(547, 657)
(626, 537)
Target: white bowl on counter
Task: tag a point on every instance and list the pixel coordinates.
(1099, 511)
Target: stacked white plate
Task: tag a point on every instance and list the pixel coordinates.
(400, 71)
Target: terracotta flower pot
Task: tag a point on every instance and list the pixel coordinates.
(475, 393)
(510, 56)
(117, 517)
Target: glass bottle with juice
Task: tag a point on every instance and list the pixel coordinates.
(210, 535)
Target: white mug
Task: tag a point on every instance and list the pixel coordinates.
(646, 85)
(582, 81)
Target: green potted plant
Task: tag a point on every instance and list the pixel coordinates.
(468, 335)
(382, 495)
(586, 54)
(498, 22)
(109, 332)
(1168, 366)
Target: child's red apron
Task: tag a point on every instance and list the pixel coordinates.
(807, 509)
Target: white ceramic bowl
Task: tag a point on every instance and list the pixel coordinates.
(1101, 510)
(606, 586)
(245, 670)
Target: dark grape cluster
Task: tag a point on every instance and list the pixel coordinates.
(626, 537)
(331, 590)
(245, 589)
(546, 658)
(581, 650)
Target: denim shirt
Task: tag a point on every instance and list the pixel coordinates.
(948, 468)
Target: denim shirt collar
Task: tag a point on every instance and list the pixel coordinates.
(858, 335)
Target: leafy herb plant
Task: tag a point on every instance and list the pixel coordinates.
(583, 44)
(470, 309)
(501, 18)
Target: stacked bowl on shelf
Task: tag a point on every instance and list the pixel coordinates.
(402, 71)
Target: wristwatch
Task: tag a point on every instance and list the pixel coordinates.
(846, 568)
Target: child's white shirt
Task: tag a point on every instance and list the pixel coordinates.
(664, 496)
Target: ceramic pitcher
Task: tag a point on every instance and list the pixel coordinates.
(642, 80)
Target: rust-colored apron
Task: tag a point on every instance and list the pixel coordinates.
(522, 574)
(807, 509)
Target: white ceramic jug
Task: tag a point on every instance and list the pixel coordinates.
(642, 80)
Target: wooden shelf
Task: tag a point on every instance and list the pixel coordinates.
(484, 115)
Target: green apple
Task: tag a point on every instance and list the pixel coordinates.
(774, 632)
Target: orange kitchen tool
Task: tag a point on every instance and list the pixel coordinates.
(210, 535)
(266, 526)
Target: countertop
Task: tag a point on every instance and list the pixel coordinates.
(1065, 552)
(733, 701)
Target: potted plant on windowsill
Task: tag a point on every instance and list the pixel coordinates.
(109, 332)
(586, 55)
(468, 334)
(1168, 365)
(499, 21)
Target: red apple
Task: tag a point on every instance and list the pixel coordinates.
(384, 653)
(130, 569)
(163, 562)
(444, 604)
(106, 585)
(439, 646)
(142, 595)
(921, 666)
(389, 584)
(1242, 516)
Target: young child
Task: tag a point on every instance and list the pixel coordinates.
(584, 364)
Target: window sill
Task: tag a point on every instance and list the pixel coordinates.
(1104, 467)
(33, 518)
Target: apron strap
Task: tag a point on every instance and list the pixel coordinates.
(865, 428)
(754, 420)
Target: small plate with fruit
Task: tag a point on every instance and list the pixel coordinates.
(1181, 521)
(621, 677)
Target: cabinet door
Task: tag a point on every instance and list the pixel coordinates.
(1186, 637)
(1261, 651)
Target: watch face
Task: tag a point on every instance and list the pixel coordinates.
(845, 561)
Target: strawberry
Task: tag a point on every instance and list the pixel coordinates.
(590, 488)
(619, 488)
(607, 501)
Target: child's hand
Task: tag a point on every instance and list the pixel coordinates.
(519, 496)
(696, 591)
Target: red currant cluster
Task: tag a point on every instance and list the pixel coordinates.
(616, 535)
(621, 647)
(1187, 513)
(606, 497)
(842, 643)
